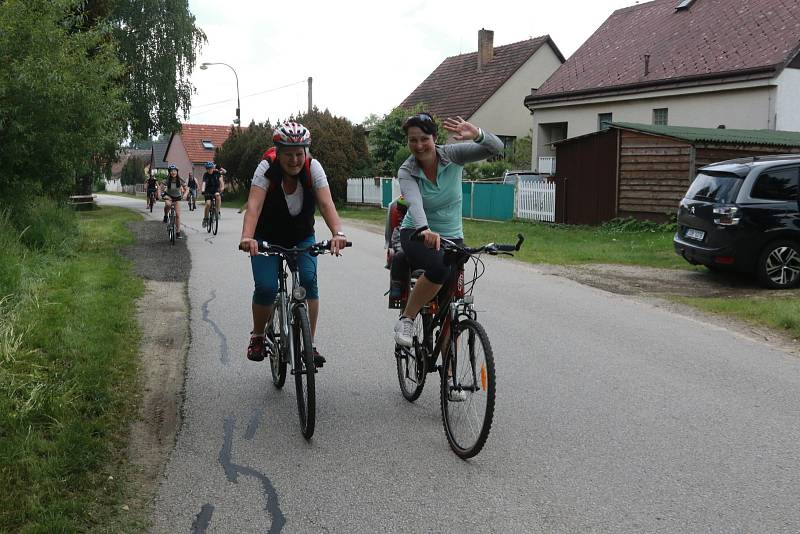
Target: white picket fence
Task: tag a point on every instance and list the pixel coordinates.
(536, 201)
(365, 190)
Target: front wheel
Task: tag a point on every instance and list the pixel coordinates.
(216, 221)
(468, 389)
(411, 371)
(277, 361)
(210, 218)
(779, 265)
(304, 371)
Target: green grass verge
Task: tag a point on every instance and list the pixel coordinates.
(779, 313)
(562, 244)
(68, 367)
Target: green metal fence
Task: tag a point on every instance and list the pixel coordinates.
(487, 201)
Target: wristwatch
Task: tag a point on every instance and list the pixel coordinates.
(341, 234)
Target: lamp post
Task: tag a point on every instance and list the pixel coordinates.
(204, 66)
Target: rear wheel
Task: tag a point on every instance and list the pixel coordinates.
(779, 265)
(468, 389)
(304, 370)
(411, 371)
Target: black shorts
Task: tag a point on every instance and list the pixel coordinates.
(208, 194)
(174, 199)
(421, 257)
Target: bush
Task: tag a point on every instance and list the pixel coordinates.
(13, 257)
(486, 170)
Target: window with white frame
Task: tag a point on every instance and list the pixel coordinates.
(661, 116)
(207, 144)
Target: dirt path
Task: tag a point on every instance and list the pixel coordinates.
(163, 316)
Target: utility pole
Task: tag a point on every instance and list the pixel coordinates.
(310, 106)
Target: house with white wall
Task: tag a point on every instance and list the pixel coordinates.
(700, 63)
(487, 87)
(193, 145)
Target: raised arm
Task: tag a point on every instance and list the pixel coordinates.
(484, 144)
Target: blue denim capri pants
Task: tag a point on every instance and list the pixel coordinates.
(265, 275)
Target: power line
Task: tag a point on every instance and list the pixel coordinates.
(248, 96)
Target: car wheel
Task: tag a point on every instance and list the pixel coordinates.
(779, 265)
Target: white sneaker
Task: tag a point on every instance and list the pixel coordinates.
(455, 395)
(404, 332)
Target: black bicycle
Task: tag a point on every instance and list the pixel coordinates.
(172, 218)
(213, 216)
(192, 200)
(151, 200)
(448, 325)
(288, 335)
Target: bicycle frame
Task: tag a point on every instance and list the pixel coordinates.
(285, 304)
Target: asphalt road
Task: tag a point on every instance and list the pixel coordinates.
(613, 415)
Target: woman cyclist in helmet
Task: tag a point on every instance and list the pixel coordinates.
(174, 190)
(430, 181)
(285, 217)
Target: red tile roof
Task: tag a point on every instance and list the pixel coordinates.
(457, 88)
(712, 38)
(193, 136)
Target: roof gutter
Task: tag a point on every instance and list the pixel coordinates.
(688, 81)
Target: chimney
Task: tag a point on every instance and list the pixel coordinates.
(485, 48)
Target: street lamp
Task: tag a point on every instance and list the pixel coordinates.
(204, 66)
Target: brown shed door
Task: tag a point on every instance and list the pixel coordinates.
(587, 181)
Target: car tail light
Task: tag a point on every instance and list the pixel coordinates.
(724, 260)
(726, 215)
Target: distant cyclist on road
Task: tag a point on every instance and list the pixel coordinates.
(151, 184)
(174, 191)
(430, 181)
(192, 184)
(213, 185)
(280, 210)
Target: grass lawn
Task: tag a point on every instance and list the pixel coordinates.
(780, 313)
(562, 244)
(68, 367)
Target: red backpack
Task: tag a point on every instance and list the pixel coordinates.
(271, 155)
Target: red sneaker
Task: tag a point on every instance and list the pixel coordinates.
(255, 351)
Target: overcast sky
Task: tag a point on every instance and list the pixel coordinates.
(365, 56)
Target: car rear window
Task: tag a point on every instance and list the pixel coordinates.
(719, 187)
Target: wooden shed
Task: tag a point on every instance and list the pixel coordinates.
(643, 170)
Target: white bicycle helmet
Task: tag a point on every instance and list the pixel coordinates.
(291, 134)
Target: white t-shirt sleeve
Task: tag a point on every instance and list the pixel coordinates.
(318, 177)
(259, 180)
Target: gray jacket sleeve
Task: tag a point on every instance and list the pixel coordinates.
(469, 152)
(410, 190)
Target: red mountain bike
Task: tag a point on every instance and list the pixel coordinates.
(448, 325)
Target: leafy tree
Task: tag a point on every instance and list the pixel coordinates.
(338, 144)
(522, 153)
(387, 138)
(157, 41)
(62, 114)
(133, 171)
(241, 152)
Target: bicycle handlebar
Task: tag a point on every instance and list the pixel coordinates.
(315, 249)
(489, 248)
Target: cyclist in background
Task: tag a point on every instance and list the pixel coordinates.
(192, 184)
(174, 191)
(212, 186)
(430, 180)
(151, 184)
(280, 210)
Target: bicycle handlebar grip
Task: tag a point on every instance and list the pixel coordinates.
(505, 248)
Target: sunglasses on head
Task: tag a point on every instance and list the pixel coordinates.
(424, 117)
